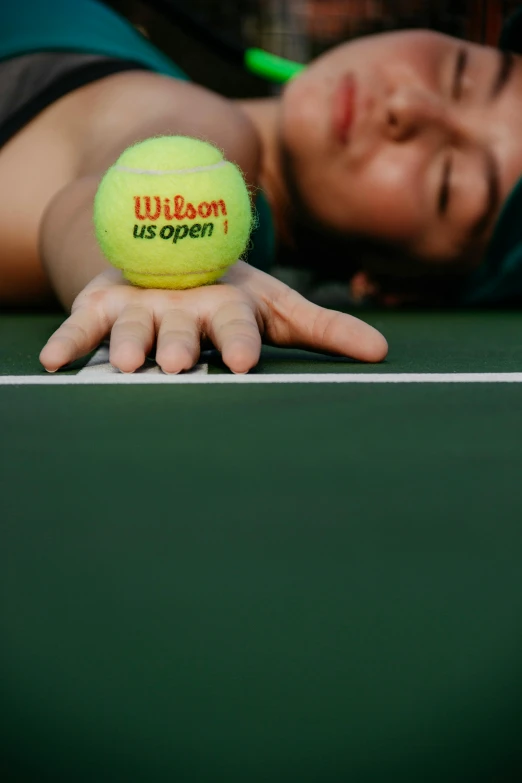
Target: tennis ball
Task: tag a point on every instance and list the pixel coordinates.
(171, 212)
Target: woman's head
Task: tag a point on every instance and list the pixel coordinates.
(412, 139)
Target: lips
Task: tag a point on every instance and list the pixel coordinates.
(344, 108)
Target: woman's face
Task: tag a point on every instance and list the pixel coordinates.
(413, 137)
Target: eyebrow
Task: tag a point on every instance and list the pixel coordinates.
(506, 63)
(493, 195)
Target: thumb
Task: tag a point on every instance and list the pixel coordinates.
(296, 322)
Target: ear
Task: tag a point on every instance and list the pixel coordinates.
(362, 287)
(366, 288)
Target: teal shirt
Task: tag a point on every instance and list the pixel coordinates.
(91, 27)
(85, 26)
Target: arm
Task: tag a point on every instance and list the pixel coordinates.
(68, 247)
(233, 315)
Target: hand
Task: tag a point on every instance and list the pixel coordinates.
(235, 315)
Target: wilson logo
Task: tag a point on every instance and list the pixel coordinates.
(154, 207)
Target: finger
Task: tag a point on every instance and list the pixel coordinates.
(83, 331)
(300, 323)
(235, 332)
(132, 337)
(178, 344)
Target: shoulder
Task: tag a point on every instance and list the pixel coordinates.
(133, 105)
(84, 132)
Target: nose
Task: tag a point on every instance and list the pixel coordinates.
(410, 112)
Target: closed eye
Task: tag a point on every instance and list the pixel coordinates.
(458, 74)
(505, 68)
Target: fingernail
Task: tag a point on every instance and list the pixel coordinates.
(170, 372)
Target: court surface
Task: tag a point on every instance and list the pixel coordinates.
(310, 573)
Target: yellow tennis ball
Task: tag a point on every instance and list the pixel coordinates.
(172, 213)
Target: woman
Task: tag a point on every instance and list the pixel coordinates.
(403, 147)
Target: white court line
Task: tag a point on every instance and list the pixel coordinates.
(99, 364)
(137, 379)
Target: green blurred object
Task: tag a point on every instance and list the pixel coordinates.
(271, 67)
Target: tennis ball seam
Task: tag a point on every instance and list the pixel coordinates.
(160, 172)
(177, 273)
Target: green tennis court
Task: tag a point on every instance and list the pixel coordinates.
(310, 573)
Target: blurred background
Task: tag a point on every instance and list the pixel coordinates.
(297, 29)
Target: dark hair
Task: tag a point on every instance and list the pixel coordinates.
(334, 257)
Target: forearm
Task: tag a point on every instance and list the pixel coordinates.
(68, 248)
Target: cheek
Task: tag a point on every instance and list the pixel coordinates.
(305, 115)
(382, 199)
(509, 156)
